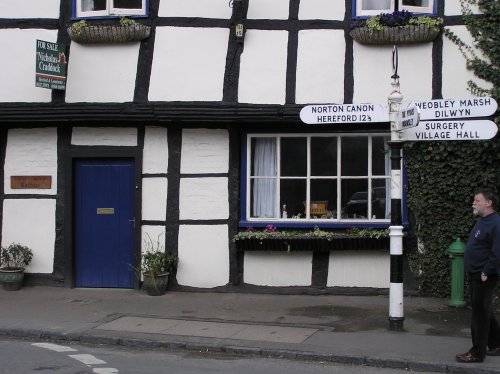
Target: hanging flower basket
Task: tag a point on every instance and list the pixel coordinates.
(108, 33)
(395, 35)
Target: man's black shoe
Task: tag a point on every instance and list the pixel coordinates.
(468, 357)
(494, 352)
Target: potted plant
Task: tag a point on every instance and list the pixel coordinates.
(127, 30)
(156, 266)
(399, 27)
(13, 260)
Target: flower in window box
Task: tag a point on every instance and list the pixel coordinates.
(399, 27)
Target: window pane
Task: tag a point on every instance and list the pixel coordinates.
(293, 197)
(376, 4)
(380, 156)
(354, 156)
(323, 156)
(381, 199)
(423, 3)
(262, 198)
(294, 157)
(323, 202)
(128, 4)
(354, 198)
(263, 157)
(91, 5)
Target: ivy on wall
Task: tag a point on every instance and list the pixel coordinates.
(443, 176)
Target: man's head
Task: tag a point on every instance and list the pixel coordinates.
(485, 202)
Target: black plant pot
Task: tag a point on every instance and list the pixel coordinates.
(155, 285)
(12, 280)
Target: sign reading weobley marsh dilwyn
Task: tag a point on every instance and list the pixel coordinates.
(456, 108)
(50, 65)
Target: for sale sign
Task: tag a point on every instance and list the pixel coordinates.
(50, 65)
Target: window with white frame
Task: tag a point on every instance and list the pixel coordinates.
(103, 8)
(318, 177)
(375, 7)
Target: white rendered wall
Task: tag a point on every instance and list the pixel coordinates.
(265, 9)
(322, 9)
(203, 198)
(455, 73)
(320, 67)
(373, 71)
(102, 73)
(263, 67)
(18, 65)
(29, 8)
(114, 136)
(359, 269)
(204, 151)
(188, 64)
(154, 199)
(203, 256)
(452, 8)
(278, 269)
(155, 154)
(195, 8)
(31, 152)
(31, 222)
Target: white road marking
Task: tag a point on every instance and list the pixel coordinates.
(88, 359)
(54, 347)
(105, 371)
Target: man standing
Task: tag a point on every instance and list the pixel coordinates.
(482, 262)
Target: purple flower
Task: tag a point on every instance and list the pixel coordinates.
(271, 228)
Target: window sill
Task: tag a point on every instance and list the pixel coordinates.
(109, 33)
(408, 34)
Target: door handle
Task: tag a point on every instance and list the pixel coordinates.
(132, 221)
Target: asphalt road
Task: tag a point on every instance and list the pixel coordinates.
(29, 357)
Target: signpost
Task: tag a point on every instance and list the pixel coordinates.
(344, 113)
(451, 130)
(50, 65)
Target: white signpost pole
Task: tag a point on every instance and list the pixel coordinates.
(396, 310)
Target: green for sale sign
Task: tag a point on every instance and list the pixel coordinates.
(50, 65)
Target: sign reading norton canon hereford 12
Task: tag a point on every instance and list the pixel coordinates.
(456, 108)
(344, 113)
(451, 130)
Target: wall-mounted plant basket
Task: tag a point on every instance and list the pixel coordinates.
(395, 35)
(109, 34)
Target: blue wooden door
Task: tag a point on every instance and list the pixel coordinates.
(104, 223)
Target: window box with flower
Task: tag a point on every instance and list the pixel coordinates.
(127, 30)
(271, 239)
(399, 27)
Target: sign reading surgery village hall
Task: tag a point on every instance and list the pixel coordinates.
(344, 113)
(50, 65)
(451, 130)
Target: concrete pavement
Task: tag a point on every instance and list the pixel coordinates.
(347, 329)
